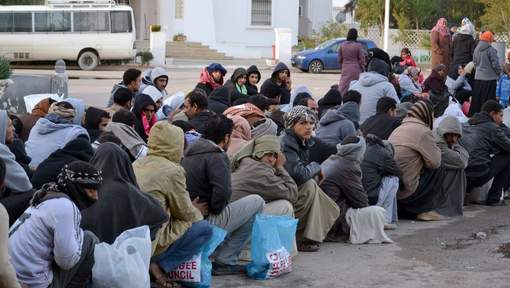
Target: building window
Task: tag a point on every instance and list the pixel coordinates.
(300, 11)
(179, 9)
(261, 12)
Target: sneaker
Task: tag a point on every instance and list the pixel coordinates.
(390, 226)
(219, 269)
(429, 216)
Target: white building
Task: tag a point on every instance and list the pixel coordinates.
(238, 28)
(313, 14)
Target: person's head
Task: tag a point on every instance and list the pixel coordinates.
(253, 75)
(379, 66)
(487, 36)
(160, 78)
(124, 116)
(218, 129)
(300, 97)
(132, 78)
(195, 102)
(453, 28)
(387, 105)
(301, 121)
(450, 129)
(242, 128)
(64, 110)
(217, 72)
(155, 94)
(240, 76)
(145, 106)
(405, 52)
(123, 97)
(260, 101)
(441, 70)
(308, 102)
(352, 96)
(265, 149)
(271, 91)
(184, 125)
(442, 22)
(96, 119)
(495, 111)
(423, 111)
(413, 72)
(352, 34)
(80, 181)
(109, 137)
(283, 75)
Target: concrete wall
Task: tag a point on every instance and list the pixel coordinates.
(319, 12)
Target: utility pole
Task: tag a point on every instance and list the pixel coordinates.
(386, 24)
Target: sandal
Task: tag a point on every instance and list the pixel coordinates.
(309, 246)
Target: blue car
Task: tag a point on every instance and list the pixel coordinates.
(324, 56)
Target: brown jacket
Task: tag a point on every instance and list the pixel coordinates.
(415, 148)
(441, 49)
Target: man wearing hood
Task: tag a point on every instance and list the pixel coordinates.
(208, 178)
(454, 158)
(342, 183)
(253, 79)
(373, 85)
(331, 100)
(486, 140)
(123, 127)
(334, 127)
(157, 77)
(237, 85)
(211, 78)
(53, 132)
(278, 79)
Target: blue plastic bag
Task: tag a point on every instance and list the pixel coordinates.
(271, 243)
(197, 271)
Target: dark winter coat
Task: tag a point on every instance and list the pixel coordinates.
(285, 93)
(252, 89)
(482, 138)
(297, 153)
(208, 89)
(380, 125)
(141, 102)
(435, 83)
(377, 163)
(463, 48)
(334, 126)
(198, 121)
(219, 100)
(231, 85)
(208, 174)
(330, 100)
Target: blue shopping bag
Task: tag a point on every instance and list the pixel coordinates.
(272, 239)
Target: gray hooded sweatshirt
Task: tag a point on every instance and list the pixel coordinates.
(15, 178)
(486, 62)
(372, 87)
(334, 126)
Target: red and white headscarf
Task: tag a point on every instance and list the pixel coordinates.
(441, 27)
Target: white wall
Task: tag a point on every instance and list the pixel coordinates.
(319, 12)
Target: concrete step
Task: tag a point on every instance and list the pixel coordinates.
(193, 50)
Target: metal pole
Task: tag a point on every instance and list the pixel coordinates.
(386, 24)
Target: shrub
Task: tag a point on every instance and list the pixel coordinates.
(5, 68)
(155, 28)
(145, 56)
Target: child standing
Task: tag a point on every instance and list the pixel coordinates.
(503, 88)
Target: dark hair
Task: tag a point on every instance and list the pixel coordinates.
(17, 123)
(406, 50)
(350, 140)
(352, 96)
(124, 116)
(352, 34)
(184, 125)
(217, 127)
(384, 104)
(122, 96)
(197, 97)
(130, 75)
(109, 137)
(259, 100)
(440, 67)
(492, 106)
(299, 97)
(303, 101)
(3, 171)
(240, 101)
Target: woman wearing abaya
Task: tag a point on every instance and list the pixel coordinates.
(145, 113)
(121, 205)
(96, 121)
(47, 171)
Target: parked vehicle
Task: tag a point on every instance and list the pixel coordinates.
(80, 30)
(324, 56)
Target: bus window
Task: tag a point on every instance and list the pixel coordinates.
(42, 22)
(121, 21)
(6, 22)
(91, 21)
(23, 22)
(58, 21)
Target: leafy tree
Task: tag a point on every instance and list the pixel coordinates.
(497, 15)
(370, 13)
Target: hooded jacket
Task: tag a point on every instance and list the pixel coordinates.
(377, 163)
(93, 118)
(415, 149)
(372, 87)
(129, 138)
(252, 89)
(298, 164)
(482, 138)
(455, 157)
(208, 174)
(161, 176)
(285, 93)
(121, 205)
(48, 170)
(141, 102)
(350, 110)
(330, 100)
(486, 62)
(219, 100)
(334, 127)
(79, 109)
(236, 91)
(47, 137)
(16, 179)
(463, 48)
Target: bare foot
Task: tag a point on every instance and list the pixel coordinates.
(160, 276)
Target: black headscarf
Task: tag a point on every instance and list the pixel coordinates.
(72, 181)
(121, 206)
(48, 170)
(92, 119)
(141, 102)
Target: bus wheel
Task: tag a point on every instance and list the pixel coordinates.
(88, 60)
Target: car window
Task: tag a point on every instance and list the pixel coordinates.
(325, 44)
(334, 47)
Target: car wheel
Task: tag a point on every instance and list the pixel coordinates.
(315, 66)
(88, 60)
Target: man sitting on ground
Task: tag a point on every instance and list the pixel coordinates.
(195, 108)
(385, 121)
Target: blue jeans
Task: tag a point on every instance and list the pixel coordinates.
(185, 247)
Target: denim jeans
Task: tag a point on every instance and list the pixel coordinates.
(237, 219)
(388, 198)
(185, 247)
